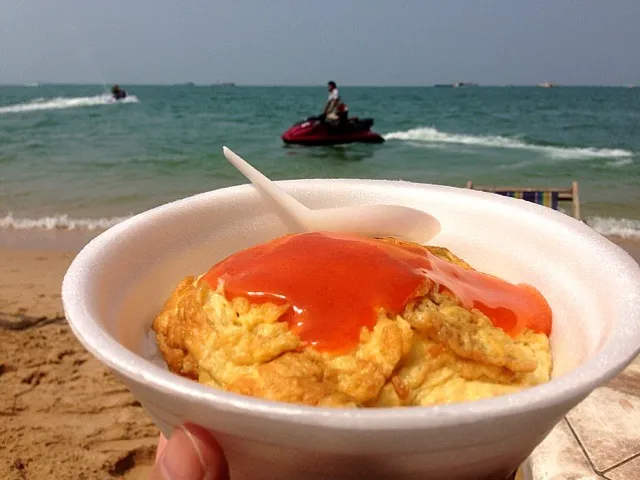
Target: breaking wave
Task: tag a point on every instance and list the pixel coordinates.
(619, 227)
(59, 222)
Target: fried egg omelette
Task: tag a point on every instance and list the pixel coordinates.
(434, 350)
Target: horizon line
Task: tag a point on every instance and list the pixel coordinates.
(346, 85)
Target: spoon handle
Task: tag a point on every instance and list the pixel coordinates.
(292, 212)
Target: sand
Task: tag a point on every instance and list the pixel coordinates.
(64, 415)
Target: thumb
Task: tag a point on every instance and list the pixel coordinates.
(191, 453)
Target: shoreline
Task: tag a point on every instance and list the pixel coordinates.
(72, 241)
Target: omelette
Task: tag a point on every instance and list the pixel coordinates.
(341, 321)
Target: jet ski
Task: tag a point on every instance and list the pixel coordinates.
(120, 95)
(315, 131)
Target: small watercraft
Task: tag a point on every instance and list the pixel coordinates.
(456, 85)
(118, 93)
(315, 131)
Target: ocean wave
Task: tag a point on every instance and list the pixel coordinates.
(59, 103)
(623, 162)
(620, 227)
(432, 135)
(59, 222)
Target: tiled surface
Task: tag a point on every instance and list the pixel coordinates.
(560, 455)
(608, 426)
(628, 471)
(599, 439)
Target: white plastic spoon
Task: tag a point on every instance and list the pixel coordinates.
(374, 220)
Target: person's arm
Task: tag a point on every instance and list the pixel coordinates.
(331, 105)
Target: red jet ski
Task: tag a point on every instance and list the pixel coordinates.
(315, 131)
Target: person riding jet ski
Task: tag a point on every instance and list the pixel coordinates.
(335, 110)
(118, 93)
(332, 127)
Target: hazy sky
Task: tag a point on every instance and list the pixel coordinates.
(355, 42)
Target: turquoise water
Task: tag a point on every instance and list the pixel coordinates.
(69, 157)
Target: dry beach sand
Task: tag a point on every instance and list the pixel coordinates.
(63, 414)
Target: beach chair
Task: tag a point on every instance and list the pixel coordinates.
(548, 197)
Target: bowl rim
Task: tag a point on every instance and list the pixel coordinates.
(571, 386)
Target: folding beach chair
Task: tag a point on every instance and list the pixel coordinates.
(548, 197)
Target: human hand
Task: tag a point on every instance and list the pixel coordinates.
(191, 453)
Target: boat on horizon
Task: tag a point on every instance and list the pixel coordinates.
(456, 85)
(547, 85)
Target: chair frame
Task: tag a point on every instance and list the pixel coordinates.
(564, 194)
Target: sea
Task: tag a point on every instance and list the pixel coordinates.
(71, 159)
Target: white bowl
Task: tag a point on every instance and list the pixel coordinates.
(119, 281)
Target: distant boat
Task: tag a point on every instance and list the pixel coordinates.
(224, 84)
(456, 85)
(547, 85)
(32, 84)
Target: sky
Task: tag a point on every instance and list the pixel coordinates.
(307, 42)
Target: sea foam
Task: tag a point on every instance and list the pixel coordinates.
(60, 103)
(59, 222)
(622, 162)
(431, 135)
(619, 227)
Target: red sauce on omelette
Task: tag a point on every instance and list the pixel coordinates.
(336, 283)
